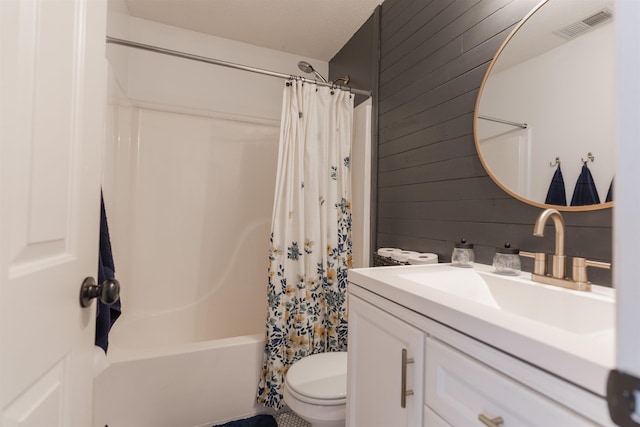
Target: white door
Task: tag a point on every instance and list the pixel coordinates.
(375, 384)
(52, 100)
(627, 207)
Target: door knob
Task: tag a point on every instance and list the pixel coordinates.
(108, 291)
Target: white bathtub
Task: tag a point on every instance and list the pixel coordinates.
(189, 200)
(183, 385)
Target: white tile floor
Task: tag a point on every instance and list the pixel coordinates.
(286, 418)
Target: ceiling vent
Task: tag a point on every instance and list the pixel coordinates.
(576, 29)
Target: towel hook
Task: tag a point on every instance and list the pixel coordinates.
(590, 158)
(556, 163)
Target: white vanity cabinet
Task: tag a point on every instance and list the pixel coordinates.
(385, 369)
(462, 391)
(455, 379)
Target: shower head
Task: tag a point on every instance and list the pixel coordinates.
(308, 68)
(305, 67)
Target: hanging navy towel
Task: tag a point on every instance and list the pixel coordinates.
(585, 192)
(610, 192)
(106, 315)
(557, 194)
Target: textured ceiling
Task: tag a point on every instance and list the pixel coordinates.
(312, 28)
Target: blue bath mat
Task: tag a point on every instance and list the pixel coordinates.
(257, 421)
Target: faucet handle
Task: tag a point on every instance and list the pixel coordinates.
(579, 268)
(539, 263)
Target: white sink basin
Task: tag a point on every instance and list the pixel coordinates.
(568, 333)
(574, 311)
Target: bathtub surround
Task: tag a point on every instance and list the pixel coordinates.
(310, 233)
(174, 342)
(361, 184)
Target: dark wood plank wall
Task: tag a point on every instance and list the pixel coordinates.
(432, 188)
(358, 59)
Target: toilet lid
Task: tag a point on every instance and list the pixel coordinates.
(321, 376)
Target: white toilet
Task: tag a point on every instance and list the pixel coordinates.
(316, 389)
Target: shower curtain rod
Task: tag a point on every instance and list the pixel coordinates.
(207, 60)
(506, 122)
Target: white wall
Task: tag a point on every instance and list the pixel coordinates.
(159, 79)
(559, 109)
(118, 23)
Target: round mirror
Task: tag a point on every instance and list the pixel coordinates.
(544, 122)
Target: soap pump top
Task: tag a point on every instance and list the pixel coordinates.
(507, 249)
(463, 244)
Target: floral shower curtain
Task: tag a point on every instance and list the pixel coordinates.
(310, 239)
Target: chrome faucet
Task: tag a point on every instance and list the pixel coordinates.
(559, 258)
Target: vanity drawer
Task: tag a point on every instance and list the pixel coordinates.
(460, 389)
(431, 419)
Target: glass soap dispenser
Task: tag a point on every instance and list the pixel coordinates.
(463, 255)
(507, 260)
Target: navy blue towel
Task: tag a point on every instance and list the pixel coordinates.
(257, 421)
(585, 192)
(610, 193)
(105, 315)
(557, 194)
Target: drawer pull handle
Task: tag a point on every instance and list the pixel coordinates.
(491, 422)
(403, 386)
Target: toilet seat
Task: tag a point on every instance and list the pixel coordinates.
(319, 379)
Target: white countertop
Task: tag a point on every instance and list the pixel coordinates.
(584, 359)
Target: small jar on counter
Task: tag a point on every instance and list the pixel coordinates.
(463, 255)
(507, 260)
